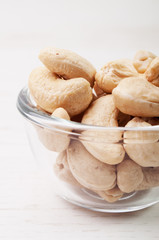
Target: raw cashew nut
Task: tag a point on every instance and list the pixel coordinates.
(88, 171)
(111, 195)
(51, 92)
(113, 72)
(67, 64)
(137, 97)
(152, 72)
(62, 170)
(129, 176)
(151, 178)
(140, 136)
(142, 60)
(142, 146)
(103, 145)
(52, 139)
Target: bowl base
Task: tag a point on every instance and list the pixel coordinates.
(128, 203)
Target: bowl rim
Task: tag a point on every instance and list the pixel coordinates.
(27, 107)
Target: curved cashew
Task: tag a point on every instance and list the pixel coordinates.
(52, 140)
(113, 72)
(88, 171)
(62, 170)
(142, 146)
(129, 176)
(51, 92)
(111, 195)
(142, 60)
(67, 64)
(152, 72)
(151, 178)
(137, 97)
(103, 145)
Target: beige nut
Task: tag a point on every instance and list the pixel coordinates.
(129, 176)
(51, 92)
(142, 146)
(152, 72)
(142, 60)
(137, 97)
(151, 178)
(139, 136)
(111, 195)
(62, 170)
(113, 72)
(103, 145)
(54, 140)
(67, 64)
(88, 171)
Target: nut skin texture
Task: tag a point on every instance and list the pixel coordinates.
(51, 92)
(152, 72)
(52, 140)
(151, 178)
(67, 64)
(142, 60)
(113, 72)
(142, 146)
(137, 97)
(88, 171)
(129, 176)
(62, 170)
(103, 145)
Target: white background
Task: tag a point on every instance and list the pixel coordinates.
(99, 31)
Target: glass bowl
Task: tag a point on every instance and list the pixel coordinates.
(69, 151)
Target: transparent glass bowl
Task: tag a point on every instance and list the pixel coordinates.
(60, 145)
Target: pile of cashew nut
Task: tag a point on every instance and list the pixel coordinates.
(123, 93)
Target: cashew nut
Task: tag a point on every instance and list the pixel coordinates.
(52, 139)
(113, 72)
(51, 92)
(103, 145)
(137, 97)
(88, 171)
(62, 170)
(142, 146)
(67, 64)
(111, 195)
(129, 176)
(139, 136)
(152, 72)
(142, 60)
(151, 178)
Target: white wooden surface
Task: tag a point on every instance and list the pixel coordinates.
(98, 30)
